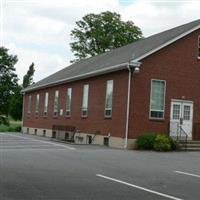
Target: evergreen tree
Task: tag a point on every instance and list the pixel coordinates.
(28, 78)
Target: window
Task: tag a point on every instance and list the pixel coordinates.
(199, 46)
(157, 102)
(109, 94)
(56, 99)
(37, 103)
(85, 100)
(69, 102)
(176, 111)
(46, 103)
(186, 113)
(29, 104)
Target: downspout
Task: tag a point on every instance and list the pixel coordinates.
(127, 107)
(133, 66)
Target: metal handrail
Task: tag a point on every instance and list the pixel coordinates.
(93, 138)
(186, 136)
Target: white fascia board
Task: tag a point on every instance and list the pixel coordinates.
(82, 76)
(167, 43)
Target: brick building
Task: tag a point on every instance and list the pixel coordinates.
(151, 85)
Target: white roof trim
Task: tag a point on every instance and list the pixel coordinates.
(167, 43)
(82, 76)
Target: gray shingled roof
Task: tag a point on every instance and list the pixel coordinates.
(118, 56)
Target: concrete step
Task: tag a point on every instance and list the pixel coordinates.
(192, 149)
(192, 145)
(190, 142)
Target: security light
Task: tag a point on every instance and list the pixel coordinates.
(136, 70)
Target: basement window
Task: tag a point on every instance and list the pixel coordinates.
(157, 101)
(54, 134)
(106, 141)
(44, 133)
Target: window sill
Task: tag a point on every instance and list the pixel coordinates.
(55, 116)
(84, 117)
(198, 58)
(68, 116)
(107, 117)
(157, 119)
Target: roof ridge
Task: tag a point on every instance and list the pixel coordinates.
(141, 39)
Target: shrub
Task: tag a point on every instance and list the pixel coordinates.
(4, 120)
(11, 128)
(174, 145)
(18, 129)
(14, 129)
(162, 143)
(155, 141)
(146, 141)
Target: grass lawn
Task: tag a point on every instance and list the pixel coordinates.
(14, 127)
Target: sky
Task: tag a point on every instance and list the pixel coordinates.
(39, 30)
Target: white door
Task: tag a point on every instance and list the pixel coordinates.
(181, 116)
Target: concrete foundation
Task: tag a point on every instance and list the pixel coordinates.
(85, 138)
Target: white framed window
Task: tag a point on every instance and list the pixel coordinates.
(37, 102)
(186, 112)
(85, 100)
(109, 98)
(69, 102)
(199, 47)
(157, 101)
(176, 111)
(46, 103)
(29, 103)
(56, 102)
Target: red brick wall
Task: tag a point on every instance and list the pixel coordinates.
(95, 120)
(179, 66)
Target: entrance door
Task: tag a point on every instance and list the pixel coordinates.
(181, 116)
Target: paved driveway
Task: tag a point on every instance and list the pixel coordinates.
(34, 168)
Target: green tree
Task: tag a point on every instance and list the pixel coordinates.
(16, 102)
(98, 33)
(8, 79)
(28, 78)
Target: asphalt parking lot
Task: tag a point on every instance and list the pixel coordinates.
(35, 168)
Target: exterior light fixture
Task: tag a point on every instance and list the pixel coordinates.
(135, 66)
(136, 70)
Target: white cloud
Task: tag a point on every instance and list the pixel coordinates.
(44, 63)
(156, 16)
(39, 31)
